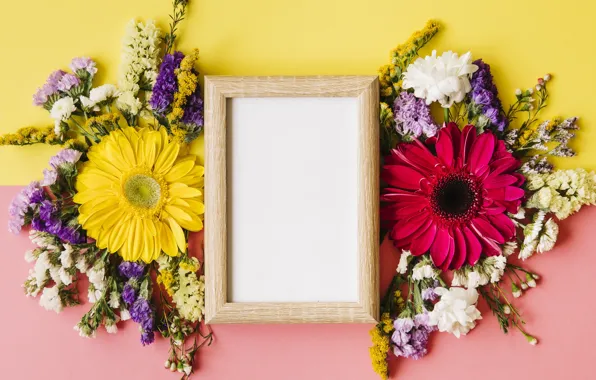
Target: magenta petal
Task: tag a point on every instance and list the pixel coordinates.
(505, 164)
(450, 253)
(468, 136)
(407, 227)
(504, 224)
(403, 177)
(482, 151)
(444, 147)
(421, 243)
(473, 246)
(486, 230)
(418, 156)
(440, 247)
(493, 182)
(460, 253)
(513, 193)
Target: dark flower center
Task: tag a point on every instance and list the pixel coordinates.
(456, 198)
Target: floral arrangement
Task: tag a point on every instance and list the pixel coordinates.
(118, 202)
(461, 196)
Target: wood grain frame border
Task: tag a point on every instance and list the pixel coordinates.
(217, 90)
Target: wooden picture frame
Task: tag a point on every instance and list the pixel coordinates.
(218, 89)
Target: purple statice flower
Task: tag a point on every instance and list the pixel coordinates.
(49, 177)
(429, 294)
(83, 63)
(67, 82)
(47, 210)
(142, 313)
(21, 204)
(38, 224)
(412, 116)
(147, 338)
(49, 88)
(71, 235)
(130, 269)
(129, 294)
(410, 338)
(65, 156)
(166, 83)
(485, 94)
(193, 111)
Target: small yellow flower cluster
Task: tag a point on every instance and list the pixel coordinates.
(187, 83)
(386, 116)
(562, 192)
(400, 57)
(31, 135)
(529, 134)
(106, 122)
(387, 323)
(166, 279)
(378, 352)
(190, 264)
(399, 300)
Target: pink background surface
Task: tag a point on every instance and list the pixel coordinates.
(39, 344)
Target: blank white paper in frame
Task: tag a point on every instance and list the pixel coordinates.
(292, 199)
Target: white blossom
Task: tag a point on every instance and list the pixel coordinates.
(114, 301)
(65, 277)
(445, 79)
(402, 267)
(50, 299)
(456, 312)
(66, 256)
(124, 315)
(476, 279)
(63, 109)
(421, 272)
(29, 256)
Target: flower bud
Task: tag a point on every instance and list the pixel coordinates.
(538, 87)
(506, 309)
(532, 340)
(515, 290)
(540, 81)
(167, 364)
(518, 92)
(547, 77)
(173, 367)
(524, 286)
(535, 276)
(530, 91)
(532, 283)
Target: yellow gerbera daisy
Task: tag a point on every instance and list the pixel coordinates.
(137, 192)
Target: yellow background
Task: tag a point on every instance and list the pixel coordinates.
(521, 39)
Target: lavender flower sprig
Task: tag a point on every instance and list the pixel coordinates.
(485, 99)
(136, 295)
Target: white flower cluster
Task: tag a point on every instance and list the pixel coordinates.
(190, 295)
(562, 192)
(456, 312)
(139, 67)
(444, 79)
(99, 96)
(487, 270)
(424, 270)
(53, 262)
(97, 281)
(539, 236)
(61, 112)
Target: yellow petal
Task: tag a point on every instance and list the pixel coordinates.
(182, 191)
(178, 234)
(180, 169)
(168, 244)
(166, 158)
(177, 213)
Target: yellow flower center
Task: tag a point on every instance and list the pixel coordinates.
(142, 191)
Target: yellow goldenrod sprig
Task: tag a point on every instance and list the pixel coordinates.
(400, 57)
(32, 135)
(103, 124)
(378, 352)
(187, 84)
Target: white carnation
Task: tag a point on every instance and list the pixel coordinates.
(444, 79)
(50, 299)
(456, 312)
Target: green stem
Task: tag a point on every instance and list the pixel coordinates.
(446, 115)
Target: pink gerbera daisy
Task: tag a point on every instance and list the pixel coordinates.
(454, 201)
